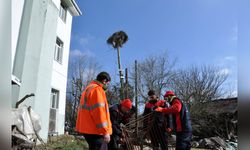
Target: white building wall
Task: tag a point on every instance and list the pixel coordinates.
(35, 26)
(57, 3)
(45, 73)
(59, 74)
(16, 16)
(33, 62)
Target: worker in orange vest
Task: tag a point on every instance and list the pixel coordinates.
(93, 119)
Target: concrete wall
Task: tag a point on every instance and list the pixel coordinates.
(5, 75)
(34, 56)
(35, 25)
(16, 16)
(59, 74)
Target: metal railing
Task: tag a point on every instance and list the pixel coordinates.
(146, 132)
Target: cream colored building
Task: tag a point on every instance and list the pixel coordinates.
(41, 32)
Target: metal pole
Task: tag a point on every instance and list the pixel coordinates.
(120, 73)
(74, 107)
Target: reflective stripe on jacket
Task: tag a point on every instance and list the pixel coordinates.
(93, 112)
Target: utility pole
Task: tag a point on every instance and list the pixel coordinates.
(120, 74)
(136, 96)
(126, 84)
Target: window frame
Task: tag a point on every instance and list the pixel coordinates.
(54, 98)
(58, 52)
(63, 12)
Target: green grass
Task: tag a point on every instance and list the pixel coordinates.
(65, 142)
(69, 142)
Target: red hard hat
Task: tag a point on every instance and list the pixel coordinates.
(127, 103)
(169, 93)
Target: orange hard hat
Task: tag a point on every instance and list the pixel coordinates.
(169, 93)
(127, 103)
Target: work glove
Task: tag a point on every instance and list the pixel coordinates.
(121, 141)
(169, 130)
(159, 109)
(153, 108)
(106, 138)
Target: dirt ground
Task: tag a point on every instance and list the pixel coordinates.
(69, 142)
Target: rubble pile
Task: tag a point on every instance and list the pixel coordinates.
(215, 124)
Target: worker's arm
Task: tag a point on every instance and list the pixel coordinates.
(173, 109)
(115, 124)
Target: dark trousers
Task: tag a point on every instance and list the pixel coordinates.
(158, 136)
(95, 142)
(183, 140)
(113, 144)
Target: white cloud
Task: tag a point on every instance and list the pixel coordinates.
(77, 52)
(227, 61)
(235, 93)
(89, 53)
(230, 58)
(234, 34)
(83, 40)
(225, 71)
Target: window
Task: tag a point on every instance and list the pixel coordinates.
(54, 99)
(58, 54)
(63, 12)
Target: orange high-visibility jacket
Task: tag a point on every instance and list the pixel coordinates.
(93, 112)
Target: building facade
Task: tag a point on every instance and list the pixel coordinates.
(41, 32)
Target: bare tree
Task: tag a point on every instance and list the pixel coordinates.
(113, 94)
(82, 70)
(198, 84)
(154, 73)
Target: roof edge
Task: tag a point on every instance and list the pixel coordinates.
(72, 7)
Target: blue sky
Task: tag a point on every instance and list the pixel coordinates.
(196, 32)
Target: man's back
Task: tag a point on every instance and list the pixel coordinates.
(93, 117)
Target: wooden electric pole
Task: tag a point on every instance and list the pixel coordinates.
(126, 84)
(136, 96)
